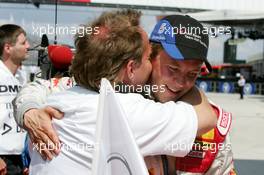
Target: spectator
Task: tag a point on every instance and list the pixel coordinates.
(241, 83)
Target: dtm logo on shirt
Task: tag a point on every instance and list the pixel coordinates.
(9, 88)
(7, 128)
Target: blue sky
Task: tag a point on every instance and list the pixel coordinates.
(33, 19)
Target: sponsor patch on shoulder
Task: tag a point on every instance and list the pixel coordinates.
(224, 122)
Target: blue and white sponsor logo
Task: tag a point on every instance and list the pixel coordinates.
(226, 87)
(165, 28)
(162, 28)
(249, 88)
(162, 32)
(204, 86)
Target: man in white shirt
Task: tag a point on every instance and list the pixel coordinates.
(241, 83)
(150, 121)
(13, 50)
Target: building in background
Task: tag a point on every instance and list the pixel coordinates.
(257, 62)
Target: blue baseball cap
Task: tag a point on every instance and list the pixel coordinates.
(182, 37)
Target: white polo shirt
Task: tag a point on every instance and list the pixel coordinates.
(169, 128)
(12, 137)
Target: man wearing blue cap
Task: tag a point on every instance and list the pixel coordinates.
(177, 40)
(179, 48)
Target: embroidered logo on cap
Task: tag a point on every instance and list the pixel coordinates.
(162, 28)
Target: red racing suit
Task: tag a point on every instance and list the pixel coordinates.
(211, 153)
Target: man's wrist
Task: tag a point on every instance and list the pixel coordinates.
(27, 115)
(23, 109)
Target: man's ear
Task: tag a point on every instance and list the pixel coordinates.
(7, 48)
(130, 69)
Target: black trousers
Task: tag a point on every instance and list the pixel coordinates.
(14, 164)
(241, 92)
